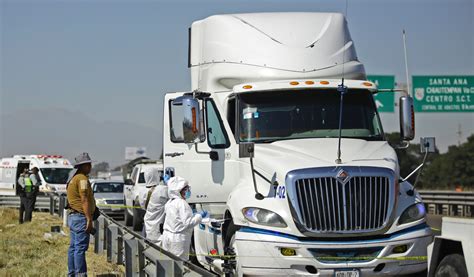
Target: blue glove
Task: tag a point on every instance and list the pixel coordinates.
(204, 214)
(166, 178)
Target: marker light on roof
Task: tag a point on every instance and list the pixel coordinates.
(367, 84)
(247, 87)
(309, 82)
(324, 83)
(294, 83)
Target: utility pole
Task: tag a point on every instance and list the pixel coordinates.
(459, 132)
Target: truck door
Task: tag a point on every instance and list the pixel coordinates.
(8, 178)
(21, 166)
(208, 164)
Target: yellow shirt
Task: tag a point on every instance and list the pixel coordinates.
(77, 187)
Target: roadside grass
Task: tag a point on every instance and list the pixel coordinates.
(24, 251)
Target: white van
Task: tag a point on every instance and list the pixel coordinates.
(53, 172)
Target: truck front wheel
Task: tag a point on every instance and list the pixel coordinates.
(230, 248)
(452, 265)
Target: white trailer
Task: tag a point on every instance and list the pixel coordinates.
(53, 172)
(452, 253)
(269, 85)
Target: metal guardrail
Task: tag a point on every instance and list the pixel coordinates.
(122, 246)
(43, 202)
(140, 256)
(449, 203)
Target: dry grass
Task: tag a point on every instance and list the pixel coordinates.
(24, 252)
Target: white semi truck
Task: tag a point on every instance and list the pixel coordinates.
(282, 143)
(53, 172)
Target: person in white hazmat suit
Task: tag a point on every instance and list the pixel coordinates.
(155, 201)
(179, 221)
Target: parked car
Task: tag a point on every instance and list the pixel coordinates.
(109, 196)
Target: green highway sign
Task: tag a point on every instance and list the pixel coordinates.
(443, 93)
(385, 100)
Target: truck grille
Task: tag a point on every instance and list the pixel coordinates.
(327, 205)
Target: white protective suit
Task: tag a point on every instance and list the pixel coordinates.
(179, 221)
(155, 212)
(152, 179)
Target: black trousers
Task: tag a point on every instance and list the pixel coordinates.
(22, 208)
(27, 205)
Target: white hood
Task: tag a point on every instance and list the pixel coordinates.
(284, 156)
(175, 185)
(152, 177)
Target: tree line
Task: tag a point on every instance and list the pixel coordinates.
(446, 171)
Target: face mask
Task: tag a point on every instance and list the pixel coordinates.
(187, 195)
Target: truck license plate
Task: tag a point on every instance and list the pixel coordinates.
(352, 273)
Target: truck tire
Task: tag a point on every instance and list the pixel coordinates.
(238, 268)
(137, 221)
(229, 241)
(230, 232)
(128, 217)
(452, 265)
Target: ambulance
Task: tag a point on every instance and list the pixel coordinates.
(53, 172)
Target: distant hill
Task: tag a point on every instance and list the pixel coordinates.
(59, 131)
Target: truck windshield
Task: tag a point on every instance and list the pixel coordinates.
(55, 175)
(108, 187)
(295, 114)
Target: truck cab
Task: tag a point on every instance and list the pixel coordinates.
(282, 142)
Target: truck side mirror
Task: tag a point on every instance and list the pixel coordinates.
(407, 118)
(427, 145)
(128, 182)
(246, 150)
(191, 120)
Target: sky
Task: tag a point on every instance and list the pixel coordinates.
(112, 61)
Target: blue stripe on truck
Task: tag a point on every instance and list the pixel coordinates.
(278, 234)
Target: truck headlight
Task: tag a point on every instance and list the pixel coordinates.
(263, 217)
(100, 202)
(412, 213)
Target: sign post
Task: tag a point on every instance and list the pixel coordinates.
(385, 101)
(443, 93)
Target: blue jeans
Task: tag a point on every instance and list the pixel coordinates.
(78, 245)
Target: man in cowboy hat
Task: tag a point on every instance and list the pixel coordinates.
(81, 205)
